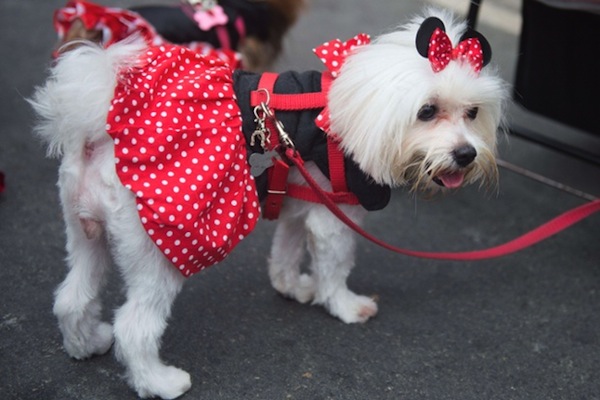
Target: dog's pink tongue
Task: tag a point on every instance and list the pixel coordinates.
(452, 180)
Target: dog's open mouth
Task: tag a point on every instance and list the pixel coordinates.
(450, 180)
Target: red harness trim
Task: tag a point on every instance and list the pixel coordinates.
(277, 182)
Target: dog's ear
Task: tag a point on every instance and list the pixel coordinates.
(485, 45)
(424, 34)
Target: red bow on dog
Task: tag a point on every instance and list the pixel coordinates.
(441, 51)
(434, 44)
(333, 54)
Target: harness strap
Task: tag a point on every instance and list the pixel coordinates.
(337, 169)
(278, 173)
(277, 187)
(288, 102)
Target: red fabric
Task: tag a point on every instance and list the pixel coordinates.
(307, 193)
(289, 102)
(334, 53)
(337, 170)
(117, 24)
(441, 51)
(180, 149)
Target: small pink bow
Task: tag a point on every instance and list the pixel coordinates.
(208, 18)
(441, 51)
(333, 54)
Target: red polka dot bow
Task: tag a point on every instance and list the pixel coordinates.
(434, 44)
(441, 51)
(333, 54)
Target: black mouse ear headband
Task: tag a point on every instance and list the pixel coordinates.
(434, 44)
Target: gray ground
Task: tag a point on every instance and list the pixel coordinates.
(521, 327)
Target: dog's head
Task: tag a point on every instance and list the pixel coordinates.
(417, 107)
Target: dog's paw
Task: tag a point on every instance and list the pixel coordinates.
(103, 339)
(350, 307)
(306, 288)
(302, 291)
(166, 382)
(97, 341)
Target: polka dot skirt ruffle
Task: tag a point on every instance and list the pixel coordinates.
(180, 149)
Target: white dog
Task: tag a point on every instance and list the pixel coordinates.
(154, 177)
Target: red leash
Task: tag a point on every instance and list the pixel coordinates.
(538, 234)
(279, 188)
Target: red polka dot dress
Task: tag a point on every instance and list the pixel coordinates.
(180, 149)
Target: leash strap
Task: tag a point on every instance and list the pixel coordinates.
(536, 235)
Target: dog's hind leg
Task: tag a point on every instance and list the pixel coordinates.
(77, 300)
(286, 255)
(332, 246)
(152, 284)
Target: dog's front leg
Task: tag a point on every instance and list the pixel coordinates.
(287, 252)
(332, 246)
(152, 283)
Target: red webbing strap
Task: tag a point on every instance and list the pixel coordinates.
(530, 238)
(278, 174)
(306, 193)
(335, 156)
(277, 189)
(288, 102)
(337, 170)
(265, 85)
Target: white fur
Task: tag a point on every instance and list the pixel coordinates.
(375, 100)
(374, 105)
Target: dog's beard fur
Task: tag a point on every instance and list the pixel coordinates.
(375, 103)
(421, 168)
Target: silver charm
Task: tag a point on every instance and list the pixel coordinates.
(259, 162)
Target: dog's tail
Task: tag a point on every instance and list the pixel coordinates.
(73, 103)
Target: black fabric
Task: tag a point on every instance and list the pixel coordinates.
(558, 68)
(173, 24)
(309, 140)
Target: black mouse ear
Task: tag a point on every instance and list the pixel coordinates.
(424, 34)
(486, 49)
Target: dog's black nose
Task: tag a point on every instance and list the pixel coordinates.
(464, 155)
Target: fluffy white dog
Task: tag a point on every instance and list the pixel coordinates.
(154, 177)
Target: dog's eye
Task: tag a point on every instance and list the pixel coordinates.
(427, 112)
(472, 113)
